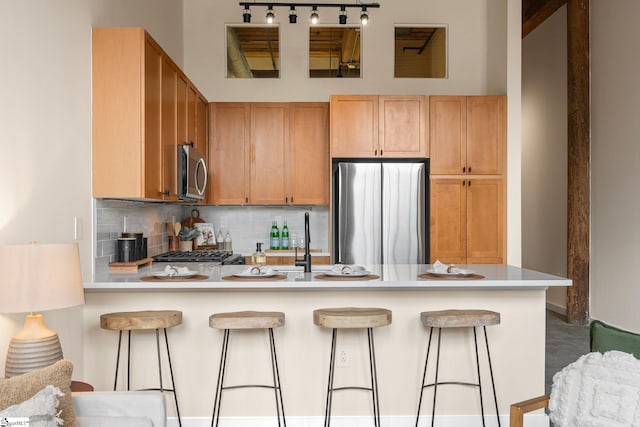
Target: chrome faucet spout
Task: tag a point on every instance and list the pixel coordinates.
(306, 259)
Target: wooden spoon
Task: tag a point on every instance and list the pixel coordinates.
(177, 228)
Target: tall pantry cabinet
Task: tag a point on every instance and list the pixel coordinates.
(468, 142)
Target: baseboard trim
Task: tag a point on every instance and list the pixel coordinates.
(532, 420)
(557, 308)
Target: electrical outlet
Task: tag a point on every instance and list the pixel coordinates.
(343, 358)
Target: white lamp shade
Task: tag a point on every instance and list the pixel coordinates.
(37, 277)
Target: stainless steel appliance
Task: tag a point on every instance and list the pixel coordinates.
(215, 256)
(192, 173)
(381, 212)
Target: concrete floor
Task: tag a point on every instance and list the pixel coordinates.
(565, 344)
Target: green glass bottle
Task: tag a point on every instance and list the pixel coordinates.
(274, 236)
(284, 242)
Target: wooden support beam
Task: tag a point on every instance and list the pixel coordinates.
(535, 12)
(579, 147)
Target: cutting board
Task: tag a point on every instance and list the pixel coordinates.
(194, 218)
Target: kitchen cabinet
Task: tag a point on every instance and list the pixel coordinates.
(467, 220)
(140, 115)
(467, 135)
(269, 153)
(379, 126)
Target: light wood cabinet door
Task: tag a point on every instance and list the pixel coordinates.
(467, 220)
(485, 221)
(169, 157)
(182, 111)
(153, 187)
(486, 134)
(202, 129)
(269, 137)
(448, 135)
(229, 154)
(403, 126)
(354, 126)
(309, 151)
(448, 220)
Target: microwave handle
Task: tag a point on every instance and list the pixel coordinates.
(204, 167)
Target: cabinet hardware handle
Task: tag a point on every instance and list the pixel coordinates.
(286, 199)
(464, 169)
(469, 169)
(375, 152)
(381, 153)
(291, 199)
(246, 200)
(191, 144)
(165, 192)
(469, 183)
(464, 182)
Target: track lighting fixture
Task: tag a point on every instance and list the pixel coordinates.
(364, 16)
(314, 17)
(293, 16)
(246, 14)
(343, 15)
(270, 16)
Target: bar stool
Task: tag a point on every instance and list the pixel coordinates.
(352, 318)
(458, 319)
(144, 320)
(247, 320)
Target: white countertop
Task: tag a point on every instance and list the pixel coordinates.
(391, 277)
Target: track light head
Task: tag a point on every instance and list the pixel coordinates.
(246, 14)
(343, 15)
(364, 16)
(270, 16)
(314, 15)
(293, 16)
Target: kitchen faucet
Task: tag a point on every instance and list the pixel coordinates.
(306, 259)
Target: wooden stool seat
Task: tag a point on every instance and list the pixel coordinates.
(352, 317)
(138, 320)
(459, 318)
(247, 320)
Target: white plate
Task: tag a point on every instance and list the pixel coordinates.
(256, 276)
(458, 273)
(165, 275)
(356, 273)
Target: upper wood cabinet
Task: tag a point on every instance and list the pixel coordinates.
(269, 153)
(467, 135)
(140, 115)
(379, 126)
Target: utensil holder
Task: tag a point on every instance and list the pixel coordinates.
(174, 243)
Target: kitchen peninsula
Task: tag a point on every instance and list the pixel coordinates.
(517, 343)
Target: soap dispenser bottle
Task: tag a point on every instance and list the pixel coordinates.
(259, 258)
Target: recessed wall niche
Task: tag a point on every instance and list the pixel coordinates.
(253, 51)
(421, 51)
(334, 51)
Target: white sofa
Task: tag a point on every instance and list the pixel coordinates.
(120, 408)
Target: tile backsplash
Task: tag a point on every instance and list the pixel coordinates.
(246, 224)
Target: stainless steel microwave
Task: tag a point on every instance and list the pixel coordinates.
(192, 173)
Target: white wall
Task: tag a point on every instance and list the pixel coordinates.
(544, 151)
(45, 117)
(615, 131)
(477, 51)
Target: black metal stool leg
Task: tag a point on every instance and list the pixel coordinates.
(173, 383)
(221, 370)
(424, 376)
(475, 343)
(276, 379)
(332, 360)
(129, 361)
(374, 379)
(495, 397)
(159, 361)
(435, 383)
(115, 381)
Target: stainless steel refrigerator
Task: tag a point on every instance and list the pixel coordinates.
(380, 212)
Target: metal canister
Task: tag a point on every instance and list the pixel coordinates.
(126, 249)
(139, 243)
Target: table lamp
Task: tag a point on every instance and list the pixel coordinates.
(37, 277)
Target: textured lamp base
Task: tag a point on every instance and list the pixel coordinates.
(26, 355)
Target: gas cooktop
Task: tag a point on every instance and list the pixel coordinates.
(223, 257)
